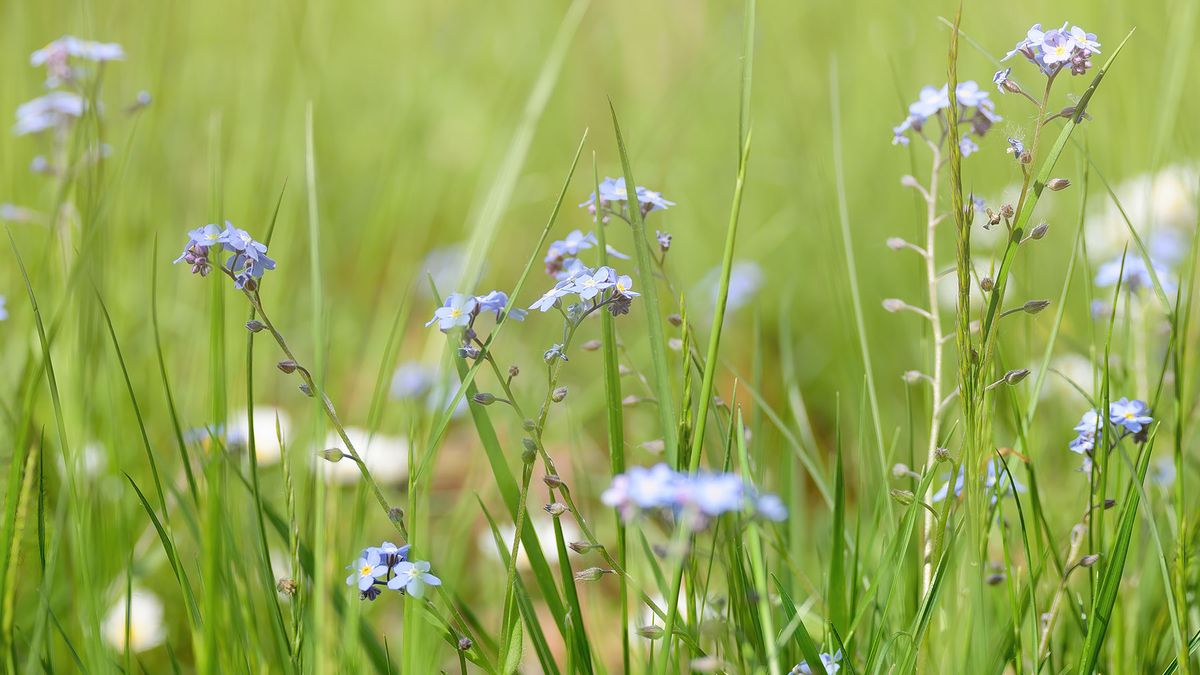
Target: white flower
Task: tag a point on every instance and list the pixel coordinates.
(49, 111)
(146, 629)
(386, 457)
(267, 449)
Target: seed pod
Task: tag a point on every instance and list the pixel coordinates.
(332, 454)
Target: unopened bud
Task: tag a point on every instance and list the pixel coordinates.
(396, 514)
(528, 425)
(591, 574)
(1025, 157)
(483, 398)
(1035, 306)
(986, 284)
(513, 371)
(1089, 560)
(1109, 503)
(909, 181)
(896, 243)
(332, 454)
(558, 394)
(941, 455)
(675, 344)
(553, 480)
(286, 586)
(590, 346)
(1058, 184)
(1010, 86)
(650, 632)
(581, 546)
(894, 304)
(1039, 231)
(254, 325)
(655, 447)
(904, 497)
(912, 376)
(530, 452)
(631, 400)
(995, 579)
(555, 509)
(305, 389)
(1007, 210)
(675, 320)
(465, 644)
(1015, 376)
(900, 471)
(287, 366)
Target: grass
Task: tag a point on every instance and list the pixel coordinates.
(394, 154)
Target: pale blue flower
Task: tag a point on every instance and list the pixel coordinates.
(615, 253)
(930, 101)
(457, 312)
(1000, 78)
(412, 380)
(3, 308)
(412, 578)
(1133, 415)
(1134, 274)
(588, 286)
(1057, 47)
(240, 241)
(714, 494)
(969, 94)
(613, 190)
(1085, 40)
(624, 287)
(967, 146)
(206, 236)
(771, 507)
(48, 112)
(830, 662)
(365, 570)
(575, 242)
(552, 296)
(389, 553)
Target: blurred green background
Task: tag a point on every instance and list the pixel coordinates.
(415, 106)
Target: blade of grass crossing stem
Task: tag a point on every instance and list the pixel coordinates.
(443, 421)
(616, 432)
(758, 564)
(1111, 582)
(852, 266)
(836, 597)
(654, 320)
(718, 321)
(808, 648)
(536, 636)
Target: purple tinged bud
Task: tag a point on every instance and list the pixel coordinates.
(896, 243)
(1089, 560)
(465, 644)
(1039, 231)
(894, 304)
(1035, 306)
(590, 346)
(675, 320)
(986, 284)
(556, 509)
(287, 366)
(558, 394)
(483, 398)
(553, 480)
(305, 389)
(1058, 184)
(255, 326)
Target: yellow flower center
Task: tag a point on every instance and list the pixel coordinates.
(366, 570)
(1128, 415)
(620, 287)
(455, 313)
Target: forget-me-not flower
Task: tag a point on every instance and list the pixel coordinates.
(365, 570)
(1133, 415)
(412, 578)
(48, 112)
(457, 312)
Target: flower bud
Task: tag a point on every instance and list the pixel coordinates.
(286, 586)
(555, 509)
(305, 389)
(1057, 184)
(483, 398)
(465, 644)
(894, 304)
(1025, 157)
(675, 320)
(631, 400)
(591, 574)
(1011, 86)
(1109, 503)
(470, 352)
(1089, 560)
(904, 497)
(909, 181)
(558, 394)
(986, 284)
(287, 366)
(529, 454)
(528, 425)
(896, 243)
(1007, 210)
(254, 325)
(1015, 376)
(1035, 306)
(623, 370)
(553, 480)
(396, 514)
(912, 376)
(1039, 231)
(332, 454)
(650, 632)
(655, 447)
(941, 455)
(900, 471)
(664, 240)
(675, 344)
(590, 345)
(513, 371)
(581, 546)
(994, 579)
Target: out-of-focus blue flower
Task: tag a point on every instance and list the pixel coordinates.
(704, 494)
(389, 553)
(744, 281)
(715, 493)
(48, 112)
(412, 578)
(967, 146)
(995, 482)
(495, 301)
(1134, 275)
(831, 663)
(930, 101)
(365, 570)
(972, 101)
(612, 190)
(575, 242)
(772, 508)
(412, 380)
(457, 312)
(3, 308)
(617, 254)
(1133, 415)
(969, 94)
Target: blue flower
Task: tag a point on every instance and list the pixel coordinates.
(1133, 415)
(575, 242)
(240, 241)
(624, 287)
(830, 662)
(412, 578)
(457, 312)
(714, 494)
(612, 190)
(206, 237)
(1053, 49)
(365, 570)
(771, 507)
(1001, 78)
(53, 110)
(996, 483)
(704, 494)
(1133, 274)
(967, 146)
(3, 308)
(551, 297)
(496, 301)
(389, 553)
(930, 101)
(589, 285)
(969, 94)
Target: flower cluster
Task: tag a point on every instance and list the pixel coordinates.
(1054, 49)
(613, 192)
(1126, 416)
(58, 108)
(388, 565)
(977, 110)
(459, 311)
(995, 483)
(704, 494)
(1133, 274)
(246, 264)
(831, 663)
(596, 288)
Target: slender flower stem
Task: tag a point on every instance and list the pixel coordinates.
(937, 405)
(1077, 540)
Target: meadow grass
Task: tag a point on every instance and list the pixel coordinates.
(835, 487)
